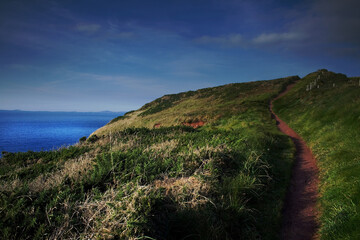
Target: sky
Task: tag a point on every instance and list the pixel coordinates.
(97, 55)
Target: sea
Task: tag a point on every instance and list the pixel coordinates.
(21, 131)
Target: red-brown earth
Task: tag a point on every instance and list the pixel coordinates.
(194, 124)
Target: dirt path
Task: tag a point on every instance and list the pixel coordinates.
(300, 212)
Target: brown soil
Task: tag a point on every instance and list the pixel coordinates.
(194, 124)
(300, 215)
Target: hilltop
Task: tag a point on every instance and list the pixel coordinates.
(208, 106)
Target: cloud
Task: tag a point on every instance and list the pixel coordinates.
(272, 38)
(332, 21)
(116, 36)
(321, 28)
(332, 28)
(103, 32)
(237, 40)
(87, 28)
(128, 83)
(231, 40)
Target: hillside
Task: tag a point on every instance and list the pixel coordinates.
(205, 106)
(147, 176)
(324, 109)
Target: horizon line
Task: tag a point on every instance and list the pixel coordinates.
(69, 111)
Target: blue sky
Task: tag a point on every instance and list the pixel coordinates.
(118, 55)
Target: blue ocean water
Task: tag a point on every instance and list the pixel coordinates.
(21, 131)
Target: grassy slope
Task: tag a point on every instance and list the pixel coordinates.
(208, 105)
(328, 118)
(223, 181)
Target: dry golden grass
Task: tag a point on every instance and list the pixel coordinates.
(108, 215)
(114, 211)
(162, 149)
(65, 230)
(183, 111)
(119, 145)
(123, 124)
(162, 146)
(188, 192)
(74, 169)
(8, 186)
(209, 150)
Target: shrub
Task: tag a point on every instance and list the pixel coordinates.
(93, 138)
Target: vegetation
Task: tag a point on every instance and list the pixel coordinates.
(147, 176)
(328, 118)
(225, 180)
(93, 138)
(117, 119)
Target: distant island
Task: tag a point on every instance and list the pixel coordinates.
(17, 110)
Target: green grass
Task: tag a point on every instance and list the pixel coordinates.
(29, 165)
(328, 118)
(226, 180)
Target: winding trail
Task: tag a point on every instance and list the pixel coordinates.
(300, 214)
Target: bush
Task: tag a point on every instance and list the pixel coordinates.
(83, 139)
(93, 138)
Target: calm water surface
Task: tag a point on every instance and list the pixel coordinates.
(21, 131)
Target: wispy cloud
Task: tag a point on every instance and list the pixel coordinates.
(271, 38)
(238, 40)
(231, 40)
(330, 22)
(124, 82)
(109, 31)
(316, 28)
(116, 36)
(87, 28)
